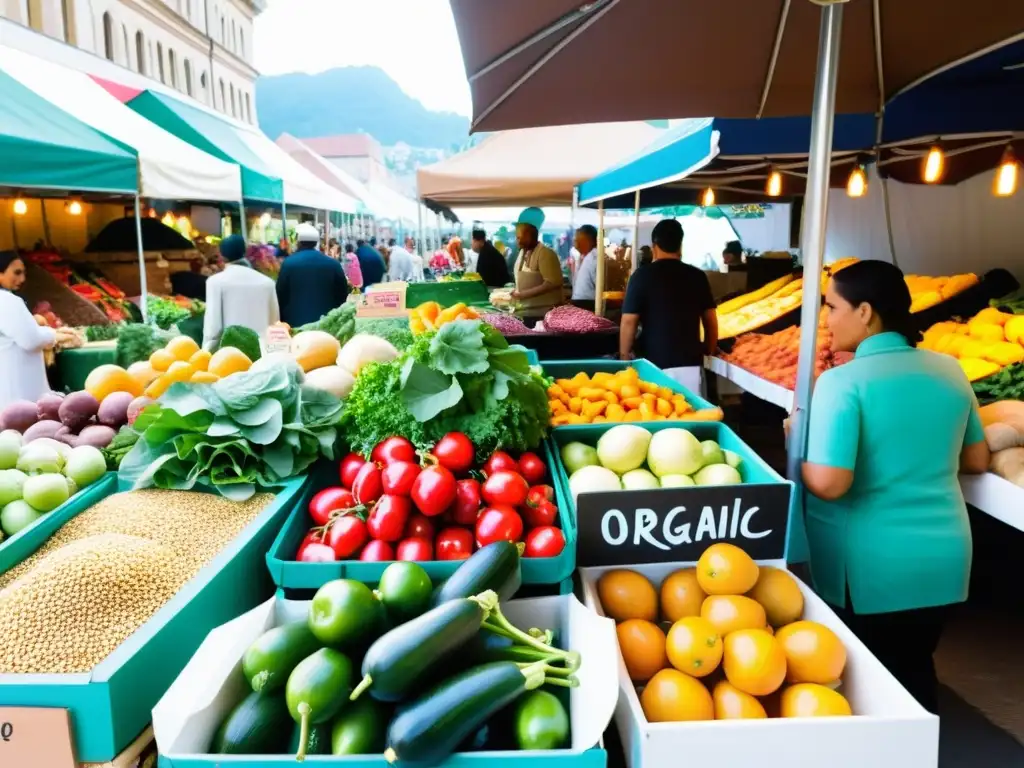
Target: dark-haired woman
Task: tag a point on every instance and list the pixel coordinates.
(22, 338)
(889, 432)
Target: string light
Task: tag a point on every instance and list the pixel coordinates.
(1006, 175)
(857, 184)
(774, 186)
(75, 208)
(708, 198)
(20, 207)
(934, 165)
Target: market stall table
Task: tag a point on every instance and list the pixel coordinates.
(570, 346)
(73, 366)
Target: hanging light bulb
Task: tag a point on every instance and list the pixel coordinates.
(1006, 175)
(152, 213)
(774, 186)
(934, 165)
(857, 184)
(708, 198)
(75, 208)
(20, 207)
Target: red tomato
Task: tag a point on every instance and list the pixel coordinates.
(505, 488)
(538, 516)
(454, 544)
(419, 527)
(500, 462)
(330, 500)
(377, 552)
(347, 535)
(398, 477)
(314, 536)
(316, 553)
(368, 486)
(388, 518)
(467, 502)
(393, 449)
(454, 452)
(415, 550)
(532, 468)
(539, 494)
(499, 522)
(350, 467)
(544, 542)
(434, 491)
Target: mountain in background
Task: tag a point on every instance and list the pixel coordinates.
(354, 100)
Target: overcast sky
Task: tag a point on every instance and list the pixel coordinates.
(414, 41)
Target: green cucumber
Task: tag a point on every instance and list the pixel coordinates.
(496, 567)
(360, 729)
(275, 653)
(408, 657)
(258, 725)
(541, 722)
(318, 740)
(317, 690)
(345, 614)
(434, 726)
(405, 591)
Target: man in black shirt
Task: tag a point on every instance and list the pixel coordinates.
(670, 300)
(490, 264)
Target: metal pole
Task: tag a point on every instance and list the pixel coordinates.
(419, 230)
(815, 218)
(284, 224)
(636, 236)
(599, 282)
(242, 222)
(143, 286)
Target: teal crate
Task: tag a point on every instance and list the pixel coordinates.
(591, 758)
(291, 575)
(649, 372)
(110, 706)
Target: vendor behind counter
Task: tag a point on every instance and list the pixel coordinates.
(538, 271)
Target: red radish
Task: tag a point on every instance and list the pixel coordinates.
(398, 477)
(316, 553)
(467, 502)
(419, 526)
(454, 452)
(500, 462)
(434, 491)
(498, 522)
(532, 468)
(368, 486)
(350, 467)
(377, 552)
(454, 544)
(393, 449)
(538, 516)
(347, 535)
(544, 542)
(388, 518)
(416, 550)
(330, 500)
(505, 488)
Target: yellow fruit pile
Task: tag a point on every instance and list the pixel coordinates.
(183, 361)
(730, 617)
(926, 292)
(614, 397)
(983, 345)
(429, 316)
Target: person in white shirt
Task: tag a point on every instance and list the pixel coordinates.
(417, 260)
(401, 267)
(238, 296)
(584, 288)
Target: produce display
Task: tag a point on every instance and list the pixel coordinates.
(181, 360)
(89, 417)
(984, 345)
(106, 572)
(165, 312)
(393, 507)
(339, 323)
(619, 396)
(629, 457)
(85, 281)
(736, 647)
(566, 318)
(430, 316)
(406, 671)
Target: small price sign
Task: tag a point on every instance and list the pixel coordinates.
(384, 300)
(278, 339)
(33, 737)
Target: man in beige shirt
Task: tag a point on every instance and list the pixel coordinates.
(538, 271)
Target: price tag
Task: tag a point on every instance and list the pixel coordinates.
(678, 524)
(278, 339)
(35, 738)
(384, 300)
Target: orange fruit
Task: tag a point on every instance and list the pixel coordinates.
(672, 697)
(733, 704)
(780, 595)
(108, 379)
(727, 613)
(643, 648)
(161, 360)
(812, 700)
(681, 595)
(182, 348)
(814, 654)
(725, 569)
(200, 360)
(754, 661)
(228, 361)
(202, 377)
(693, 646)
(627, 595)
(142, 372)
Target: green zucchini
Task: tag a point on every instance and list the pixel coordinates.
(258, 725)
(274, 654)
(403, 660)
(318, 740)
(434, 726)
(360, 729)
(496, 567)
(317, 689)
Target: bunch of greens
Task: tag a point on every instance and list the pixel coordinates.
(251, 429)
(395, 331)
(1007, 384)
(136, 342)
(120, 447)
(339, 322)
(166, 313)
(244, 339)
(463, 378)
(102, 332)
(1012, 302)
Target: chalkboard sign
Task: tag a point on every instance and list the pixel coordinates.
(678, 524)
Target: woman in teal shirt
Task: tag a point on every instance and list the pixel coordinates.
(889, 432)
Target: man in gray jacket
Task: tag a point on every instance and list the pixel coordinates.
(239, 295)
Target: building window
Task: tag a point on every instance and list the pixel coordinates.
(248, 108)
(172, 60)
(108, 36)
(234, 109)
(160, 62)
(127, 47)
(241, 42)
(68, 15)
(140, 51)
(204, 83)
(223, 97)
(234, 37)
(188, 77)
(223, 31)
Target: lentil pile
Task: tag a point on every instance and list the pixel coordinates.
(106, 572)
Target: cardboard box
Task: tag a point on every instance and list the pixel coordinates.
(889, 729)
(187, 717)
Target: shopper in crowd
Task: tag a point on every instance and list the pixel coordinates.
(455, 251)
(350, 265)
(239, 295)
(401, 267)
(889, 536)
(584, 287)
(646, 256)
(190, 283)
(732, 256)
(490, 264)
(371, 263)
(670, 302)
(284, 248)
(537, 272)
(310, 284)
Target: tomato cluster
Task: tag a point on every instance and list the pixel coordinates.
(397, 507)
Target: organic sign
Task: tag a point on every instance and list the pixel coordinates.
(35, 738)
(678, 524)
(385, 300)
